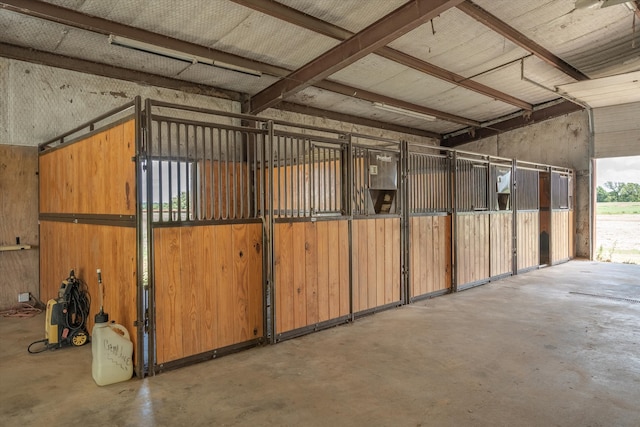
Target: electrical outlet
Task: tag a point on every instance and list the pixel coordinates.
(24, 297)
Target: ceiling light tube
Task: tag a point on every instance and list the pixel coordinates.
(175, 54)
(403, 111)
(157, 50)
(237, 68)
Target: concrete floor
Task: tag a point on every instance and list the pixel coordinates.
(523, 351)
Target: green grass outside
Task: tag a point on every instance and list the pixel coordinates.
(618, 208)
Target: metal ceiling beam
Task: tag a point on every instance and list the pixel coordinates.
(94, 24)
(349, 118)
(376, 97)
(106, 70)
(555, 110)
(636, 8)
(500, 27)
(301, 19)
(390, 27)
(73, 18)
(33, 56)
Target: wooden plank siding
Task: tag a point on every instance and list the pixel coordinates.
(312, 273)
(572, 237)
(208, 288)
(559, 236)
(430, 251)
(93, 176)
(501, 243)
(472, 248)
(376, 262)
(85, 248)
(528, 251)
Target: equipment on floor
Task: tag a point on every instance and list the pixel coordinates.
(111, 348)
(66, 317)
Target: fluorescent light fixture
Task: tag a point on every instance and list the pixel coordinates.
(237, 68)
(176, 54)
(404, 112)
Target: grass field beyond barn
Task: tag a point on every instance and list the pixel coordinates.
(618, 208)
(618, 232)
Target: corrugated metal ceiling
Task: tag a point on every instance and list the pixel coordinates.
(596, 42)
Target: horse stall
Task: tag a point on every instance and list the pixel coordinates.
(88, 216)
(307, 176)
(218, 231)
(562, 228)
(204, 230)
(429, 222)
(527, 197)
(483, 238)
(376, 244)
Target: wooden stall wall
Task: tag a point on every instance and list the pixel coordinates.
(430, 251)
(559, 236)
(528, 251)
(18, 220)
(84, 248)
(208, 288)
(501, 243)
(376, 263)
(472, 232)
(312, 273)
(93, 176)
(572, 233)
(92, 181)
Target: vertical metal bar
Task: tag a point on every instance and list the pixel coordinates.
(348, 185)
(335, 187)
(453, 176)
(187, 174)
(325, 180)
(298, 165)
(227, 183)
(272, 277)
(170, 189)
(305, 182)
(312, 177)
(179, 164)
(211, 172)
(284, 170)
(276, 168)
(234, 173)
(404, 229)
(219, 215)
(141, 306)
(514, 216)
(151, 306)
(244, 175)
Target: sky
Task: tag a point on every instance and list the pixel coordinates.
(619, 169)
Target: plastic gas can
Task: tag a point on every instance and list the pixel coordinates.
(112, 351)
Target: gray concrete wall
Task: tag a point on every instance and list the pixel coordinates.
(42, 102)
(563, 141)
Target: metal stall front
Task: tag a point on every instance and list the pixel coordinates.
(205, 239)
(88, 199)
(308, 171)
(527, 216)
(483, 239)
(562, 240)
(429, 212)
(376, 227)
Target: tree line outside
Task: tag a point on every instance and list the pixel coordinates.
(618, 192)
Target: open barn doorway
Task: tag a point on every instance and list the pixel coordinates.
(617, 216)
